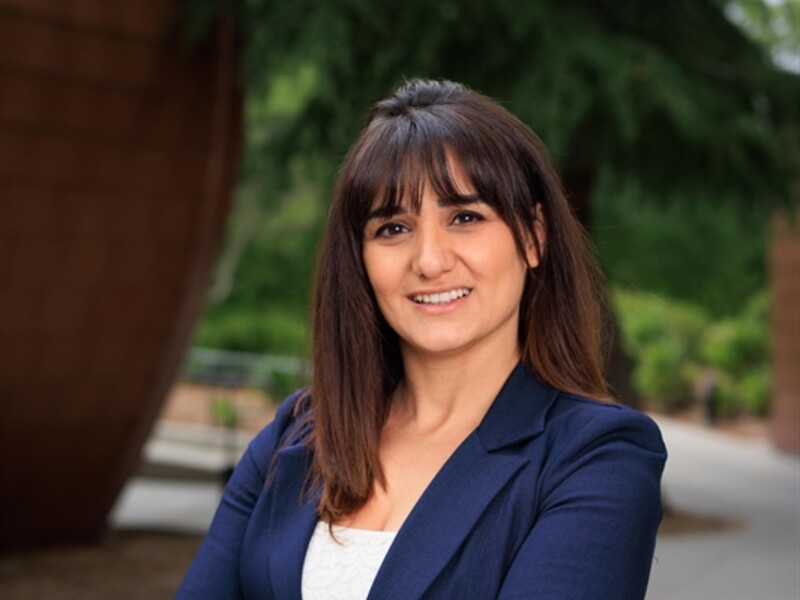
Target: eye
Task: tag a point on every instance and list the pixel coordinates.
(390, 230)
(466, 217)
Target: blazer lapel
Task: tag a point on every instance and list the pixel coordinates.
(292, 519)
(463, 489)
(442, 519)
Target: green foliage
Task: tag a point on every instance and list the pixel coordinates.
(630, 85)
(754, 391)
(283, 384)
(674, 345)
(648, 318)
(663, 336)
(224, 412)
(663, 373)
(734, 344)
(706, 250)
(737, 349)
(262, 329)
(266, 310)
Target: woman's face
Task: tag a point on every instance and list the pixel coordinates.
(448, 279)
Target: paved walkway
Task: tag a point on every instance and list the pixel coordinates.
(745, 482)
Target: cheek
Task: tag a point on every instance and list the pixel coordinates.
(500, 258)
(513, 270)
(369, 266)
(379, 272)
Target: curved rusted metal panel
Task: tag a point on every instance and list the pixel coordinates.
(118, 151)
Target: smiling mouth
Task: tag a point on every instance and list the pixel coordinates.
(442, 297)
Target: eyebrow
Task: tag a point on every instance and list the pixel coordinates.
(459, 200)
(386, 212)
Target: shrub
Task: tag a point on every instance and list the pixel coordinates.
(734, 345)
(663, 338)
(738, 349)
(754, 390)
(266, 331)
(673, 343)
(224, 412)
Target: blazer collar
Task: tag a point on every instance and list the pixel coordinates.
(519, 411)
(445, 513)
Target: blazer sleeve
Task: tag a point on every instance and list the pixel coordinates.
(599, 512)
(214, 572)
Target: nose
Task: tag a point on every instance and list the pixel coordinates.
(433, 252)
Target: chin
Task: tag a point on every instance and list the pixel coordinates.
(439, 346)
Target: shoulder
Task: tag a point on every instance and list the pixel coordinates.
(598, 453)
(530, 410)
(591, 444)
(583, 420)
(288, 427)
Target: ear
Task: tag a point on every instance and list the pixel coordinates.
(534, 246)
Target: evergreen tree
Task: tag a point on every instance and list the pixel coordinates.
(668, 96)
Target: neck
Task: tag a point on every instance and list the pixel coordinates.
(451, 390)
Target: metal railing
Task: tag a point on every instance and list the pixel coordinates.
(228, 368)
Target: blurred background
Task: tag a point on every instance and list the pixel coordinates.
(164, 174)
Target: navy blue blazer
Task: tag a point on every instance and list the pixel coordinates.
(552, 497)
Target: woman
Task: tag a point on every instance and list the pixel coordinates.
(458, 440)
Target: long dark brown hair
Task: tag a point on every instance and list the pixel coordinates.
(407, 142)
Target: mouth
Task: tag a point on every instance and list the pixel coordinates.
(441, 297)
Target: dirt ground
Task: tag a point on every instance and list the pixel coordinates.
(192, 403)
(123, 566)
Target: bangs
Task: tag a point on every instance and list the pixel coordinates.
(397, 157)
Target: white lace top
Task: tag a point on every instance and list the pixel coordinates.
(343, 568)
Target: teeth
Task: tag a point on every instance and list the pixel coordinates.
(441, 298)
